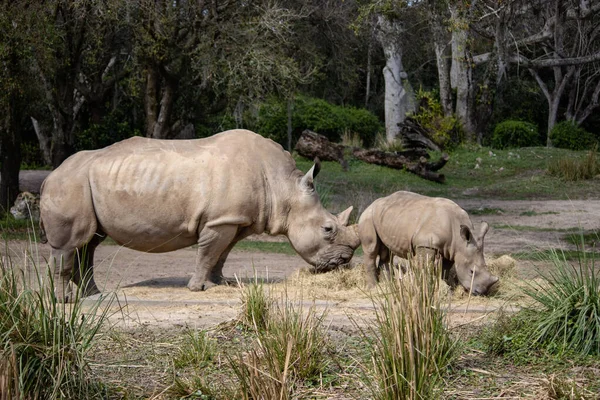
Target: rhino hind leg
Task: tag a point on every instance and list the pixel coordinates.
(214, 245)
(83, 272)
(75, 266)
(61, 262)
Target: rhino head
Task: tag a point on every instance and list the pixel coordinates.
(27, 206)
(470, 265)
(322, 239)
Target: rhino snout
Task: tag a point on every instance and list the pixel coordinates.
(484, 288)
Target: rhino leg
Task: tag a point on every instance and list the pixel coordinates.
(214, 244)
(83, 273)
(426, 254)
(384, 264)
(61, 262)
(449, 273)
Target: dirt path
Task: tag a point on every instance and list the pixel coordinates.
(152, 287)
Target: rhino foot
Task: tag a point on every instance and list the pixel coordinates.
(200, 286)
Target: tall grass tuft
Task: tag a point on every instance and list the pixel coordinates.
(289, 351)
(571, 169)
(410, 345)
(195, 351)
(383, 144)
(567, 304)
(352, 139)
(256, 305)
(44, 344)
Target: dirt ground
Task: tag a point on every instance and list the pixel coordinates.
(151, 288)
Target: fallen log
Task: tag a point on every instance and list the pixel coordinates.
(422, 167)
(415, 136)
(312, 144)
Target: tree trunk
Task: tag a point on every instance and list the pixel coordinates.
(10, 159)
(440, 45)
(396, 99)
(151, 100)
(290, 109)
(462, 72)
(45, 141)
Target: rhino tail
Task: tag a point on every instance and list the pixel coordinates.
(43, 238)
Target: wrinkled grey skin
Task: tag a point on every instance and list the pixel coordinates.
(409, 224)
(27, 206)
(162, 195)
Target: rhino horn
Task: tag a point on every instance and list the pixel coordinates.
(344, 216)
(307, 180)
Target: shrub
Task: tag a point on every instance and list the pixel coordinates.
(409, 344)
(318, 115)
(97, 136)
(510, 134)
(568, 135)
(445, 130)
(567, 305)
(571, 169)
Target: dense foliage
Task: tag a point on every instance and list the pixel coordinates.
(317, 115)
(568, 135)
(512, 134)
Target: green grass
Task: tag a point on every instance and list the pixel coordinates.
(45, 346)
(527, 228)
(265, 247)
(568, 255)
(590, 239)
(534, 213)
(486, 211)
(501, 175)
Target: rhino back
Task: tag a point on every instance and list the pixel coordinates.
(155, 195)
(405, 221)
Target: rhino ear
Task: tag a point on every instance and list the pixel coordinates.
(307, 180)
(344, 216)
(465, 233)
(483, 230)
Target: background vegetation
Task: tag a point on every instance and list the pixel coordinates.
(82, 75)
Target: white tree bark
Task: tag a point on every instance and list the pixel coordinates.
(461, 72)
(45, 141)
(397, 99)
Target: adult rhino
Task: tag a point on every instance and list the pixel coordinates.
(162, 195)
(407, 223)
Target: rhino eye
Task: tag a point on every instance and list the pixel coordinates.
(327, 229)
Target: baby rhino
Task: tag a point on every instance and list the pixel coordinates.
(407, 223)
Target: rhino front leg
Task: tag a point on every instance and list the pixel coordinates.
(214, 244)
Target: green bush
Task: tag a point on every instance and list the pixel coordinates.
(568, 135)
(446, 131)
(97, 136)
(511, 134)
(318, 115)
